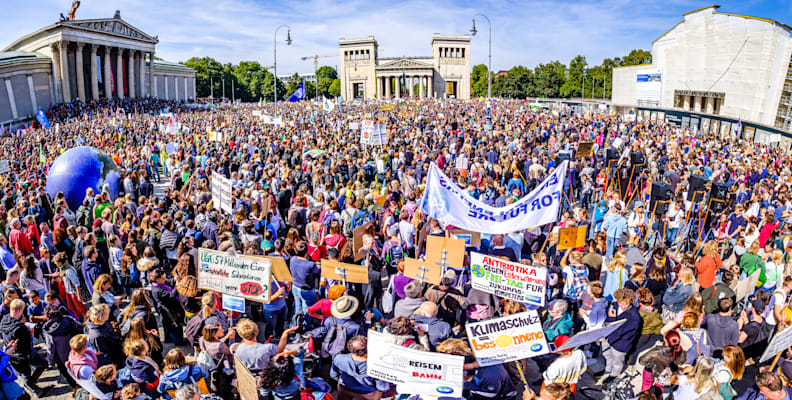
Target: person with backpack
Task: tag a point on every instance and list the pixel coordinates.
(215, 357)
(177, 372)
(347, 216)
(350, 372)
(334, 239)
(393, 249)
(336, 329)
(775, 314)
(256, 356)
(450, 300)
(575, 275)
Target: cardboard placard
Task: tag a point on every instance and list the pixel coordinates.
(420, 270)
(584, 149)
(246, 382)
(590, 336)
(572, 238)
(511, 338)
(357, 238)
(454, 248)
(472, 239)
(780, 342)
(388, 107)
(280, 270)
(332, 269)
(746, 286)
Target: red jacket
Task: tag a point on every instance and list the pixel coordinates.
(19, 242)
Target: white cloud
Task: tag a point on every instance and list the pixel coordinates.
(524, 32)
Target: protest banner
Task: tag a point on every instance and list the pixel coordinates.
(246, 383)
(235, 275)
(366, 131)
(357, 238)
(5, 166)
(222, 193)
(590, 336)
(280, 270)
(388, 107)
(379, 135)
(510, 338)
(584, 149)
(572, 238)
(413, 371)
(354, 126)
(746, 286)
(445, 252)
(472, 239)
(780, 342)
(233, 303)
(271, 120)
(511, 280)
(422, 271)
(445, 201)
(256, 113)
(351, 273)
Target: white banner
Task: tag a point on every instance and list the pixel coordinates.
(447, 202)
(5, 166)
(354, 126)
(235, 275)
(379, 136)
(366, 131)
(503, 278)
(499, 340)
(269, 119)
(414, 371)
(222, 193)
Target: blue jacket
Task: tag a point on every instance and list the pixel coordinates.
(614, 225)
(623, 338)
(563, 326)
(176, 378)
(439, 330)
(676, 296)
(351, 375)
(753, 394)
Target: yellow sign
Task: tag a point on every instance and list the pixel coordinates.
(388, 107)
(572, 238)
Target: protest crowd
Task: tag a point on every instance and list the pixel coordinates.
(661, 266)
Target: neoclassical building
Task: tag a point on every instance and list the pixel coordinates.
(86, 59)
(365, 75)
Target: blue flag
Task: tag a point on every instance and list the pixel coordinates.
(42, 119)
(299, 94)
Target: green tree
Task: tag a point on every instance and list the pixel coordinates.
(549, 78)
(207, 70)
(516, 84)
(574, 82)
(637, 57)
(326, 72)
(335, 88)
(478, 81)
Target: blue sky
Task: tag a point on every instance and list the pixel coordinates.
(527, 32)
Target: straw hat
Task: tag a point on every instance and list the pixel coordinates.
(344, 307)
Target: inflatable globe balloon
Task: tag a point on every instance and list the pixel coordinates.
(81, 168)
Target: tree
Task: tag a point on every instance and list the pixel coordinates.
(207, 70)
(637, 57)
(516, 84)
(335, 88)
(549, 78)
(574, 80)
(326, 72)
(478, 81)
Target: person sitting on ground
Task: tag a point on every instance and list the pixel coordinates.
(177, 372)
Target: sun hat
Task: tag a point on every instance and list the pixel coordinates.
(344, 307)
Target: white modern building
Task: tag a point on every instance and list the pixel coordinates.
(717, 64)
(446, 73)
(87, 60)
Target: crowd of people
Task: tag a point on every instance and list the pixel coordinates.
(108, 292)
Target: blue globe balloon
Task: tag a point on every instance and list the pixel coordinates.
(81, 168)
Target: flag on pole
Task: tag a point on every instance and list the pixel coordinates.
(327, 105)
(738, 127)
(299, 94)
(42, 119)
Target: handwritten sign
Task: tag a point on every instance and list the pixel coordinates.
(511, 280)
(235, 275)
(510, 338)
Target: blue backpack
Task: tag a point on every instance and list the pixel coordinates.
(125, 377)
(360, 218)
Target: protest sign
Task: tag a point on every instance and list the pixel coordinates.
(256, 113)
(470, 238)
(271, 120)
(572, 238)
(388, 107)
(354, 126)
(357, 238)
(443, 250)
(445, 201)
(336, 270)
(379, 136)
(422, 271)
(279, 268)
(366, 131)
(235, 275)
(222, 193)
(5, 166)
(511, 280)
(246, 383)
(584, 149)
(780, 342)
(511, 338)
(746, 286)
(414, 371)
(171, 148)
(233, 303)
(590, 336)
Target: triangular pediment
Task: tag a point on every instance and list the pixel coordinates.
(404, 63)
(113, 26)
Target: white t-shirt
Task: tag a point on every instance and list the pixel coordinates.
(687, 390)
(778, 299)
(566, 369)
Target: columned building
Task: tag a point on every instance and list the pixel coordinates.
(86, 60)
(444, 74)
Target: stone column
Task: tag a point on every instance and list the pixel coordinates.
(142, 72)
(152, 91)
(410, 86)
(398, 87)
(108, 72)
(429, 88)
(185, 89)
(387, 86)
(94, 80)
(176, 88)
(119, 79)
(55, 48)
(32, 93)
(165, 83)
(78, 62)
(421, 87)
(64, 64)
(132, 80)
(11, 99)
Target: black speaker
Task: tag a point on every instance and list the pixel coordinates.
(611, 155)
(698, 186)
(563, 156)
(718, 196)
(637, 158)
(661, 196)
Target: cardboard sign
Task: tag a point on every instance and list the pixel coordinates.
(5, 166)
(472, 239)
(332, 269)
(246, 382)
(454, 251)
(590, 336)
(499, 340)
(388, 107)
(584, 149)
(235, 275)
(511, 280)
(572, 238)
(366, 130)
(780, 342)
(414, 371)
(234, 303)
(746, 286)
(279, 269)
(422, 271)
(357, 238)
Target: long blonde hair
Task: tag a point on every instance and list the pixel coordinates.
(686, 276)
(618, 262)
(701, 376)
(208, 303)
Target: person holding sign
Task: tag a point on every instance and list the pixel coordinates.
(618, 343)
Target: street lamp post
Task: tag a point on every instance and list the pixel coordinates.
(473, 32)
(275, 60)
